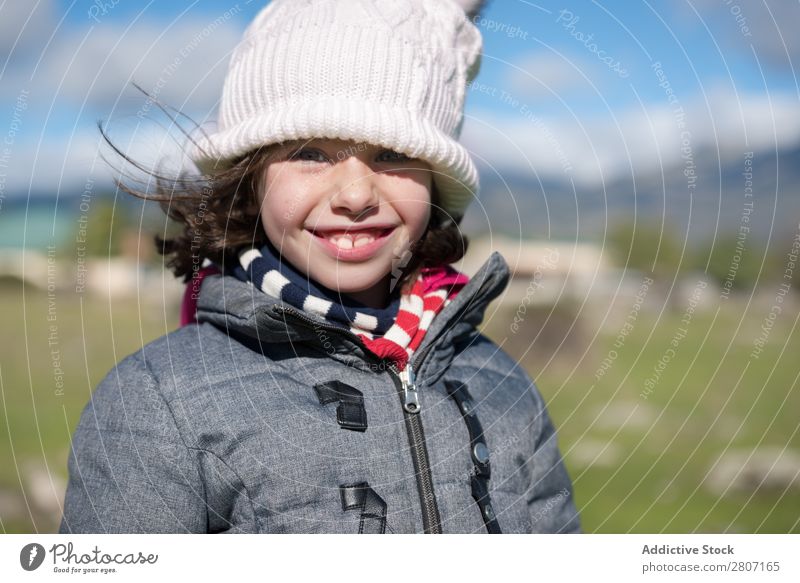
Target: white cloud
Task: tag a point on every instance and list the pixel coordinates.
(599, 149)
(64, 165)
(85, 74)
(184, 61)
(25, 25)
(545, 74)
(588, 150)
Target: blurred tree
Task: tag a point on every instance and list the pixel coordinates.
(646, 246)
(735, 263)
(105, 228)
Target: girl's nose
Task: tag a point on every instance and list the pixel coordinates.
(355, 187)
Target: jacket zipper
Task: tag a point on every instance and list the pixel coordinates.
(405, 382)
(407, 390)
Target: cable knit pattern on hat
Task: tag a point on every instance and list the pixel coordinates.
(387, 72)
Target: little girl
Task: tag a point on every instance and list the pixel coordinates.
(328, 375)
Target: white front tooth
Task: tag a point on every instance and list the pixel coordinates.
(361, 241)
(344, 243)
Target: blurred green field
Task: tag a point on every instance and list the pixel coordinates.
(638, 465)
(38, 417)
(647, 465)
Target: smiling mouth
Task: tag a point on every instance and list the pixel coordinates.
(352, 239)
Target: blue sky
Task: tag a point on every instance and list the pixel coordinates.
(729, 64)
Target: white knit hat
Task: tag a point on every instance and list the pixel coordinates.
(391, 73)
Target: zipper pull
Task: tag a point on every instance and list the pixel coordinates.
(408, 380)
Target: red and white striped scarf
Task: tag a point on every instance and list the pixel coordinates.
(434, 289)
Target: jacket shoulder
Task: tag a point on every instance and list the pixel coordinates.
(484, 353)
(130, 469)
(489, 367)
(189, 343)
(175, 359)
(128, 393)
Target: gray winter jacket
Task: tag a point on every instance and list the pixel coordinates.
(266, 419)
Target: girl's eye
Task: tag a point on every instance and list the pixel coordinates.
(308, 155)
(392, 156)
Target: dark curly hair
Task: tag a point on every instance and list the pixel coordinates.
(218, 213)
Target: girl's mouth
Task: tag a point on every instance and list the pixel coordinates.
(353, 245)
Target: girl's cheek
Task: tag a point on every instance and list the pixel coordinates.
(287, 200)
(282, 208)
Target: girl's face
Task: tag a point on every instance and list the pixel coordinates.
(346, 213)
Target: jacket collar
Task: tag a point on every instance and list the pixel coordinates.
(240, 309)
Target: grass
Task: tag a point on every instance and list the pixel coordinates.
(711, 399)
(38, 416)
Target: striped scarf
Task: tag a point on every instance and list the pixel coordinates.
(393, 332)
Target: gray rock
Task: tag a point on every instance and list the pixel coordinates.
(747, 471)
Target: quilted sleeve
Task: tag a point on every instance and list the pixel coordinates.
(550, 496)
(129, 468)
